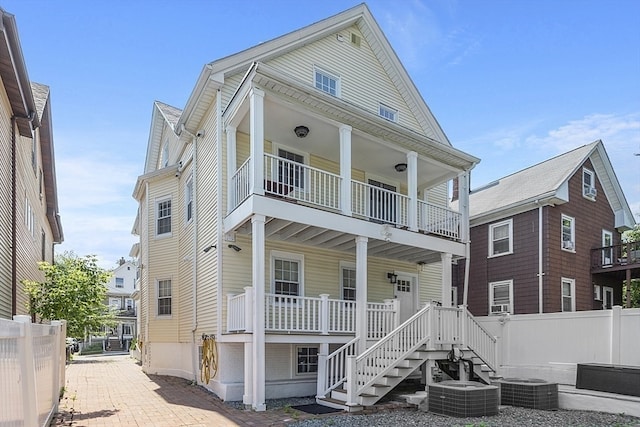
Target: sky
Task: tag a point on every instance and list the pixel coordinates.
(511, 82)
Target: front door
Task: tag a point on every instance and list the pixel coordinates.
(405, 294)
(607, 297)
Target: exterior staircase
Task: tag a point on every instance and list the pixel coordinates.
(444, 337)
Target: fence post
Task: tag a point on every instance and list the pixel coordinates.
(616, 314)
(324, 315)
(352, 381)
(396, 313)
(248, 308)
(322, 370)
(56, 385)
(29, 396)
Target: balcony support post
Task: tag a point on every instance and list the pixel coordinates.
(412, 189)
(324, 314)
(231, 166)
(361, 293)
(446, 279)
(256, 140)
(463, 205)
(258, 338)
(345, 169)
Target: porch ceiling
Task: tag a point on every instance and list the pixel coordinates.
(319, 237)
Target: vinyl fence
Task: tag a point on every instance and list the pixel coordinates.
(32, 368)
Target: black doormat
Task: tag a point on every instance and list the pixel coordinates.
(315, 409)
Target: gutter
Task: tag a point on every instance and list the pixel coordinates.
(540, 270)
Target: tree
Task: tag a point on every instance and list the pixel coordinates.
(74, 290)
(632, 236)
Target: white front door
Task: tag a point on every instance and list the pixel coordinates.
(405, 294)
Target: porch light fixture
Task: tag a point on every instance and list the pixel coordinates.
(235, 248)
(400, 167)
(393, 278)
(301, 131)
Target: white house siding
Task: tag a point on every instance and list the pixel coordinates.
(186, 260)
(363, 80)
(430, 276)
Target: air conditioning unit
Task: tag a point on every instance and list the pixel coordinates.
(590, 192)
(566, 244)
(499, 308)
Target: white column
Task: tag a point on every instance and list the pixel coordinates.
(446, 279)
(323, 352)
(231, 166)
(247, 397)
(256, 126)
(361, 292)
(463, 205)
(412, 189)
(345, 169)
(258, 266)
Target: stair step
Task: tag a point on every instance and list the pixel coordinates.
(337, 404)
(380, 385)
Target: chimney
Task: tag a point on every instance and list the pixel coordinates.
(456, 191)
(121, 261)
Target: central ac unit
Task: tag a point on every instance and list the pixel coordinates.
(499, 308)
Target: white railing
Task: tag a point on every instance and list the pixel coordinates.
(382, 318)
(241, 180)
(332, 369)
(439, 220)
(478, 339)
(32, 366)
(286, 178)
(292, 313)
(446, 325)
(236, 312)
(379, 204)
(341, 316)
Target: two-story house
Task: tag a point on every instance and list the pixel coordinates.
(293, 215)
(548, 238)
(29, 221)
(120, 289)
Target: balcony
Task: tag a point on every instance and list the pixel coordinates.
(309, 186)
(616, 260)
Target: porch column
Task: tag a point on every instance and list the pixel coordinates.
(258, 351)
(231, 167)
(247, 397)
(361, 292)
(256, 140)
(463, 205)
(412, 189)
(345, 169)
(446, 279)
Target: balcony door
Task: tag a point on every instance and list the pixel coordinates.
(607, 251)
(382, 203)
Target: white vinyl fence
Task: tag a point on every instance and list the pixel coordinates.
(32, 368)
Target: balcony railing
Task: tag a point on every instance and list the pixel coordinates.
(624, 254)
(318, 315)
(304, 184)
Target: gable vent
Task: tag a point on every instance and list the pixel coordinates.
(355, 39)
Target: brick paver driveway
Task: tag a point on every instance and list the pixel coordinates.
(113, 391)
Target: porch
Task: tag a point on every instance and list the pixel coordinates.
(615, 265)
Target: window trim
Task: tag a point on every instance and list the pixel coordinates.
(508, 222)
(322, 71)
(592, 174)
(157, 217)
(188, 200)
(394, 111)
(500, 283)
(170, 297)
(346, 265)
(121, 283)
(296, 366)
(287, 256)
(572, 246)
(572, 283)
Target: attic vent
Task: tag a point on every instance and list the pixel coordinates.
(355, 39)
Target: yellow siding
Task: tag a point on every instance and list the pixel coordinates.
(5, 205)
(363, 80)
(185, 257)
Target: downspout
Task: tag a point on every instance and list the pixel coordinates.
(220, 192)
(467, 262)
(194, 264)
(14, 223)
(540, 272)
(146, 265)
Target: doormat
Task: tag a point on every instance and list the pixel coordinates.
(315, 409)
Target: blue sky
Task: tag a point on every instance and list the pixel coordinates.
(511, 82)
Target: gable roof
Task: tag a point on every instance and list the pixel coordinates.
(547, 183)
(214, 73)
(162, 114)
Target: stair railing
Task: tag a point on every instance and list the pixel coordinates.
(364, 370)
(332, 369)
(478, 339)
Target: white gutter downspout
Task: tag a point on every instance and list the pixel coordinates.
(145, 360)
(194, 264)
(540, 272)
(220, 192)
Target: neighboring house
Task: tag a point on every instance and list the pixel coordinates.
(548, 238)
(295, 212)
(29, 220)
(120, 291)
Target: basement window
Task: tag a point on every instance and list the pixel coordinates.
(307, 360)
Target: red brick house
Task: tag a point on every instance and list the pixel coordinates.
(548, 238)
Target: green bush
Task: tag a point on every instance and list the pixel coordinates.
(95, 348)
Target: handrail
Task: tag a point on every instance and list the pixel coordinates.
(480, 341)
(336, 367)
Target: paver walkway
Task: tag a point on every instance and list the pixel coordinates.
(113, 391)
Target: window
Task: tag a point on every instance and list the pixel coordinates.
(164, 217)
(115, 303)
(287, 273)
(589, 184)
(607, 297)
(119, 282)
(164, 297)
(289, 172)
(500, 238)
(164, 161)
(388, 113)
(500, 297)
(327, 83)
(43, 245)
(568, 233)
(188, 199)
(307, 360)
(126, 329)
(348, 281)
(568, 292)
(129, 304)
(597, 292)
(607, 247)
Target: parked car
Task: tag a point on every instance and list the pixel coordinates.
(73, 345)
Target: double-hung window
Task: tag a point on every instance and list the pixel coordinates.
(307, 360)
(568, 294)
(568, 233)
(163, 225)
(501, 238)
(119, 282)
(188, 199)
(501, 297)
(588, 184)
(348, 281)
(164, 297)
(287, 274)
(327, 82)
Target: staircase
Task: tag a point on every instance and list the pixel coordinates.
(444, 334)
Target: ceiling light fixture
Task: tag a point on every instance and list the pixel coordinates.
(400, 167)
(301, 131)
